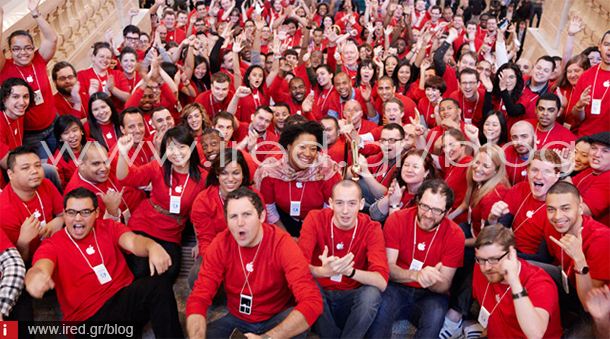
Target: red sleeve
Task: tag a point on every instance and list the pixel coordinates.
(279, 90)
(203, 221)
(376, 255)
(58, 200)
(267, 189)
(134, 99)
(301, 72)
(597, 254)
(308, 236)
(598, 196)
(168, 95)
(391, 231)
(140, 176)
(300, 281)
(453, 246)
(330, 57)
(120, 81)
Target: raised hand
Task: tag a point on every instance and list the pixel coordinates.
(29, 230)
(243, 92)
(486, 81)
(598, 302)
(572, 246)
(575, 26)
(94, 86)
(395, 192)
(510, 266)
(585, 98)
(498, 210)
(33, 5)
(112, 200)
(125, 143)
(37, 282)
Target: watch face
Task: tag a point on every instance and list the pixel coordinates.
(585, 270)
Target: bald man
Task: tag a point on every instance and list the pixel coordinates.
(523, 139)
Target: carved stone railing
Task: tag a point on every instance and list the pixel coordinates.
(78, 23)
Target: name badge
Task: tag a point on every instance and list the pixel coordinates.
(483, 317)
(174, 205)
(416, 265)
(245, 304)
(295, 208)
(564, 282)
(102, 274)
(468, 121)
(596, 106)
(336, 278)
(38, 99)
(43, 224)
(126, 215)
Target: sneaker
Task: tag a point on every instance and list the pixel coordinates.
(450, 330)
(473, 330)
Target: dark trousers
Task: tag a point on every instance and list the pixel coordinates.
(537, 11)
(460, 292)
(147, 299)
(223, 327)
(139, 265)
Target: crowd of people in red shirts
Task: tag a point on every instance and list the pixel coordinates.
(420, 121)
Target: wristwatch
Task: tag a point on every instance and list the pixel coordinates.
(36, 14)
(351, 275)
(583, 271)
(522, 294)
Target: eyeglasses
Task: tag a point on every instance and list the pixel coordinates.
(84, 213)
(491, 261)
(390, 141)
(425, 208)
(28, 48)
(69, 77)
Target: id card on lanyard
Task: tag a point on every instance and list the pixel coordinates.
(174, 201)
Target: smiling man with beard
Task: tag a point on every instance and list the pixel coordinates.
(533, 310)
(522, 209)
(69, 99)
(424, 249)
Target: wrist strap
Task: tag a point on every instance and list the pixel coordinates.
(520, 295)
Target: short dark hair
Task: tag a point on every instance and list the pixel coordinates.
(562, 187)
(282, 104)
(59, 66)
(182, 136)
(549, 97)
(18, 33)
(20, 150)
(243, 192)
(7, 87)
(220, 77)
(548, 58)
(263, 108)
(62, 124)
(131, 29)
(81, 193)
(158, 109)
(294, 119)
(495, 234)
(223, 115)
(437, 83)
(468, 71)
(333, 119)
(437, 186)
(128, 50)
(130, 110)
(394, 126)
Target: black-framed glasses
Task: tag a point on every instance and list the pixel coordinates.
(491, 261)
(425, 208)
(84, 213)
(390, 141)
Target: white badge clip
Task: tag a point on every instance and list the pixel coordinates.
(295, 208)
(483, 317)
(336, 278)
(174, 205)
(416, 265)
(126, 215)
(596, 106)
(468, 121)
(38, 99)
(564, 282)
(245, 304)
(102, 274)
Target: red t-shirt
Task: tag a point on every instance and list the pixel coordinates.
(599, 80)
(445, 244)
(132, 197)
(367, 246)
(266, 144)
(503, 321)
(167, 100)
(380, 169)
(66, 169)
(595, 192)
(41, 116)
(322, 102)
(11, 134)
(595, 245)
(427, 110)
(480, 212)
(553, 137)
(109, 134)
(529, 217)
(455, 177)
(211, 106)
(438, 132)
(311, 194)
(472, 112)
(146, 218)
(249, 104)
(336, 103)
(280, 92)
(279, 280)
(207, 216)
(120, 82)
(5, 242)
(177, 35)
(516, 167)
(79, 291)
(15, 211)
(65, 107)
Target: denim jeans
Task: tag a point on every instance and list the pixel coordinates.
(423, 308)
(349, 313)
(223, 327)
(35, 139)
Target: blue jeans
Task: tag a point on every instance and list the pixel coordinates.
(223, 327)
(35, 139)
(349, 313)
(423, 308)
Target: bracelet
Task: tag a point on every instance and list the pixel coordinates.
(520, 295)
(351, 275)
(187, 82)
(36, 14)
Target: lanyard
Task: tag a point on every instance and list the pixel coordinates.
(44, 218)
(97, 188)
(81, 251)
(182, 189)
(80, 109)
(35, 76)
(464, 106)
(526, 216)
(256, 97)
(222, 200)
(325, 96)
(102, 86)
(415, 240)
(290, 191)
(332, 235)
(249, 268)
(547, 135)
(212, 104)
(16, 131)
(497, 303)
(594, 83)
